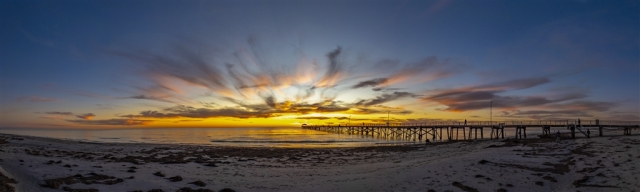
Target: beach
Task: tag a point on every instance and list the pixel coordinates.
(608, 163)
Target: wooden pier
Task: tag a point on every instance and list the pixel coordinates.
(430, 132)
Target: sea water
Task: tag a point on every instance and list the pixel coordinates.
(244, 137)
(247, 137)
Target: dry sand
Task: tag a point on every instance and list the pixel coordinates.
(596, 164)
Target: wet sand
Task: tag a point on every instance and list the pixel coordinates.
(595, 164)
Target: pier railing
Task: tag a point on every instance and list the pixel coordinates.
(587, 123)
(435, 129)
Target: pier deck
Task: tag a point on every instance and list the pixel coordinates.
(435, 130)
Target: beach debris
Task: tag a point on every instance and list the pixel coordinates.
(540, 183)
(155, 190)
(582, 183)
(175, 178)
(4, 183)
(199, 183)
(187, 189)
(549, 178)
(211, 165)
(67, 165)
(227, 190)
(159, 174)
(93, 178)
(464, 187)
(131, 171)
(79, 190)
(501, 190)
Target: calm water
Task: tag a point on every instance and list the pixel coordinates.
(263, 137)
(251, 137)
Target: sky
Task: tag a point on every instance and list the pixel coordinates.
(132, 64)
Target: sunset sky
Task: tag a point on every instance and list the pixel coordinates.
(120, 64)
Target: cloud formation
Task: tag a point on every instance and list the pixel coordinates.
(124, 122)
(380, 99)
(478, 97)
(86, 116)
(58, 113)
(35, 99)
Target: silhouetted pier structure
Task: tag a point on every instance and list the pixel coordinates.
(420, 131)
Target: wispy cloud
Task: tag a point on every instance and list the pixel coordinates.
(370, 83)
(86, 116)
(425, 70)
(124, 122)
(380, 99)
(478, 97)
(35, 99)
(59, 113)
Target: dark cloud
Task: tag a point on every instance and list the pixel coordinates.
(546, 114)
(561, 106)
(383, 98)
(112, 122)
(380, 111)
(486, 91)
(154, 98)
(370, 83)
(86, 116)
(252, 73)
(209, 104)
(192, 112)
(585, 105)
(322, 118)
(478, 97)
(58, 113)
(334, 68)
(385, 89)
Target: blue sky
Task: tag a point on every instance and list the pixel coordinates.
(272, 63)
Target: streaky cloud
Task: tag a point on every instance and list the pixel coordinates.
(123, 122)
(86, 116)
(59, 113)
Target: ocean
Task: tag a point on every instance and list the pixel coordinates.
(248, 137)
(245, 137)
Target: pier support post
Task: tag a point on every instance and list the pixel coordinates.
(433, 136)
(573, 131)
(546, 131)
(600, 131)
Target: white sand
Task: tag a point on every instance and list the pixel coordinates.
(609, 164)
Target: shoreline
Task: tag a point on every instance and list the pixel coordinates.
(47, 164)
